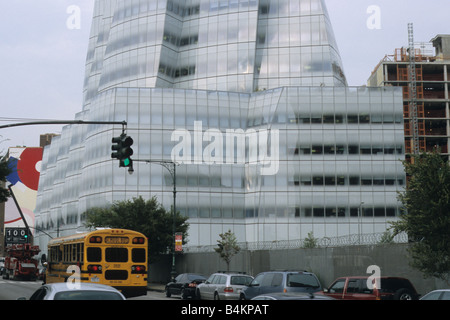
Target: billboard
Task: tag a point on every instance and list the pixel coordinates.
(25, 164)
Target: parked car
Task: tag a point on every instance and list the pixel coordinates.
(85, 291)
(441, 294)
(281, 281)
(355, 288)
(292, 296)
(185, 285)
(223, 286)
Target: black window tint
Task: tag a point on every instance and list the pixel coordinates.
(302, 280)
(138, 255)
(39, 294)
(116, 254)
(352, 286)
(337, 287)
(94, 254)
(392, 285)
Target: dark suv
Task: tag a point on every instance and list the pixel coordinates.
(355, 288)
(281, 281)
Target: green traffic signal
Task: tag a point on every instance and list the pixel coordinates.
(122, 150)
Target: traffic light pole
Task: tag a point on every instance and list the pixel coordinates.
(172, 168)
(20, 212)
(51, 122)
(123, 123)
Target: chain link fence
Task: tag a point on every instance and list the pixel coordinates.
(327, 242)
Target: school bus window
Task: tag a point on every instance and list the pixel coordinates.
(138, 255)
(79, 252)
(66, 253)
(116, 254)
(94, 254)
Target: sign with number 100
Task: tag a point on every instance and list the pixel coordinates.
(16, 235)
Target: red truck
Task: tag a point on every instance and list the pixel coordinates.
(356, 288)
(19, 262)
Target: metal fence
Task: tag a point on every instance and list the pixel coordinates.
(342, 241)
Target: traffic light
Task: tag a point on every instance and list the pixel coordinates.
(122, 150)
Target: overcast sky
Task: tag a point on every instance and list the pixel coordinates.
(42, 59)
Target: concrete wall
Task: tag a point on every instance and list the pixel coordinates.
(327, 263)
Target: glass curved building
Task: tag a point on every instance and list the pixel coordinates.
(249, 98)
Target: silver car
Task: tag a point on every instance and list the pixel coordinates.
(81, 291)
(223, 286)
(440, 294)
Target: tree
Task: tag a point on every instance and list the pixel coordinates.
(147, 217)
(427, 214)
(4, 172)
(227, 247)
(310, 242)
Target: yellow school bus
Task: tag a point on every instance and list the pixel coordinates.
(115, 257)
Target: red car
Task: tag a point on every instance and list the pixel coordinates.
(355, 288)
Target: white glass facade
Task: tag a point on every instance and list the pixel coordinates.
(250, 99)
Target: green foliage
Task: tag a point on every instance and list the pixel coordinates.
(4, 172)
(387, 238)
(310, 242)
(427, 214)
(227, 247)
(148, 217)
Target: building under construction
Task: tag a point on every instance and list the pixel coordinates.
(425, 92)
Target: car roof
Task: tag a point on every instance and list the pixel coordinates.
(287, 271)
(233, 274)
(64, 286)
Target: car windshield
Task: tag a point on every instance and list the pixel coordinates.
(87, 295)
(302, 280)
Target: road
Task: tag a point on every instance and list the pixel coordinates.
(11, 290)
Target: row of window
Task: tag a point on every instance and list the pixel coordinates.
(70, 253)
(346, 118)
(179, 41)
(294, 212)
(340, 180)
(75, 253)
(387, 118)
(176, 72)
(182, 11)
(179, 9)
(343, 149)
